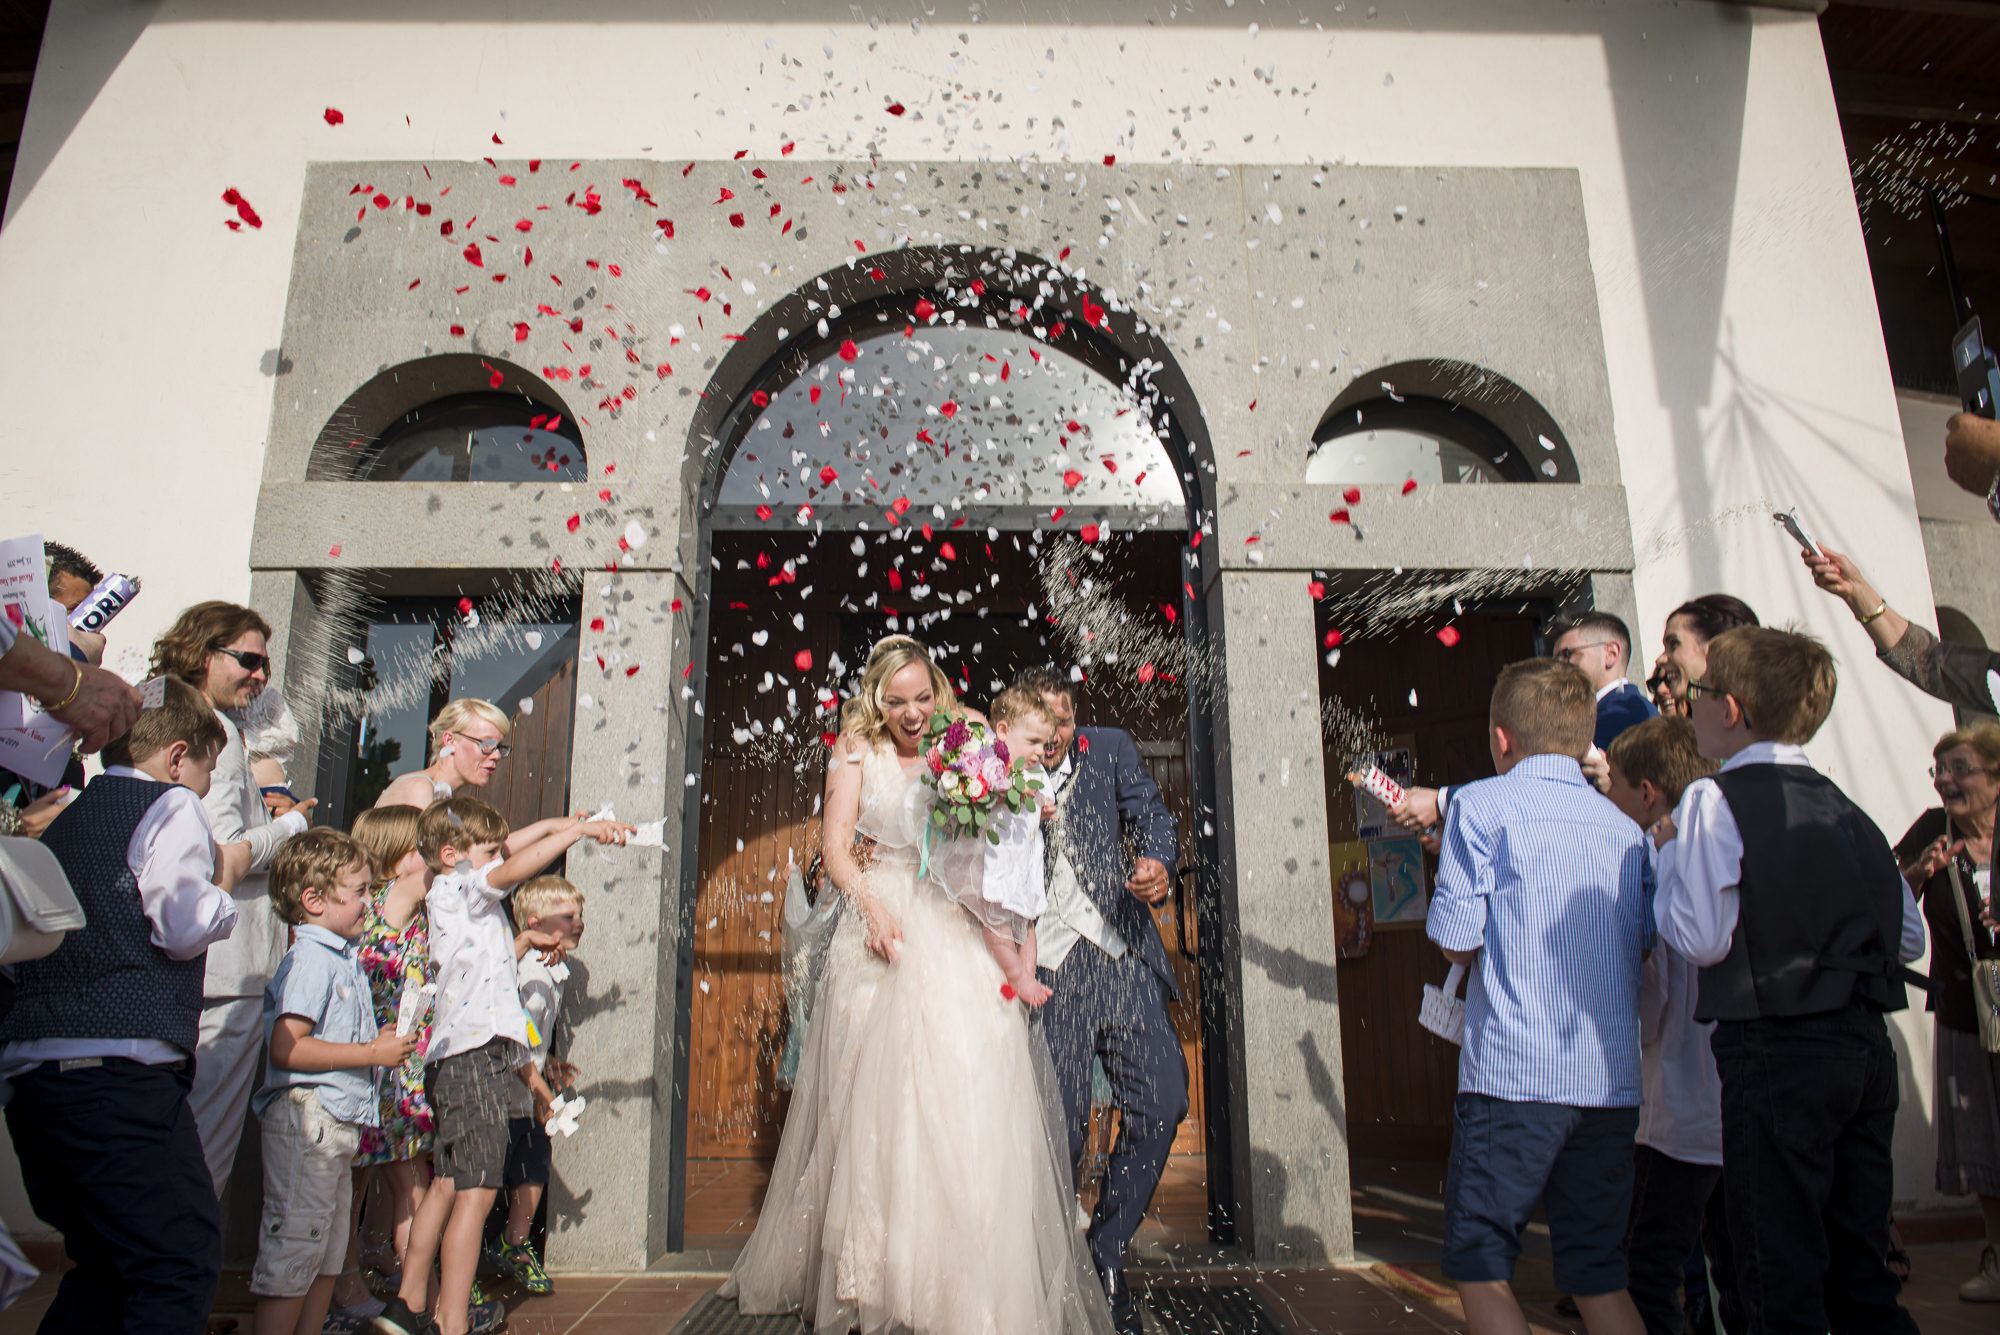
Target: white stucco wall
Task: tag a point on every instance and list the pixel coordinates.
(1746, 363)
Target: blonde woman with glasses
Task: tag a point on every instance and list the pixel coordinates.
(468, 742)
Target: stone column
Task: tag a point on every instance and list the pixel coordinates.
(1289, 1112)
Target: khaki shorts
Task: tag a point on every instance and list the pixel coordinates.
(308, 1195)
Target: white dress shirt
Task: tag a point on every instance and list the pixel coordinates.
(1071, 916)
(1699, 900)
(479, 986)
(541, 1000)
(172, 854)
(246, 962)
(1680, 1111)
(1608, 688)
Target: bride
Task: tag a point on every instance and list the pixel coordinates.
(922, 1184)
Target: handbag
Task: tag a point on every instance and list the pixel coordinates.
(1985, 973)
(1442, 1012)
(37, 907)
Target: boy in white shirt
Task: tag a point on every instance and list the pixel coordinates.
(1012, 882)
(1679, 1158)
(551, 906)
(478, 1048)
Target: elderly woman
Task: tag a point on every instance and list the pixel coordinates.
(468, 742)
(1684, 645)
(1943, 855)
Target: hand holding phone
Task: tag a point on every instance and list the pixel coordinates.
(1978, 370)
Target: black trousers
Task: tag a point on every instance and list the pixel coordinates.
(1116, 1010)
(110, 1156)
(1808, 1110)
(1668, 1201)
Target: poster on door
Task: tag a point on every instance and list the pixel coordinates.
(1396, 878)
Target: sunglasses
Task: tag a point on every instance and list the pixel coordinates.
(487, 745)
(249, 662)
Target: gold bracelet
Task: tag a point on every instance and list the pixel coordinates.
(1876, 613)
(75, 690)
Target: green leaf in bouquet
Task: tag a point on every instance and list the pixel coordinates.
(993, 836)
(979, 819)
(938, 817)
(963, 815)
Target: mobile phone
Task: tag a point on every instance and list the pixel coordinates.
(1978, 370)
(1792, 524)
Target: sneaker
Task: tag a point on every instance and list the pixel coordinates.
(338, 1324)
(363, 1310)
(398, 1319)
(482, 1318)
(528, 1272)
(1983, 1287)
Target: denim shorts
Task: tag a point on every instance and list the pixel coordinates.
(1507, 1157)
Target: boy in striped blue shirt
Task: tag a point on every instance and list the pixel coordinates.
(1544, 893)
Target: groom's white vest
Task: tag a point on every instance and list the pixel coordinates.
(1070, 916)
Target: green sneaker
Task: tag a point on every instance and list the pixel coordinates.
(527, 1271)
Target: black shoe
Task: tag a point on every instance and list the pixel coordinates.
(1566, 1306)
(1124, 1312)
(398, 1319)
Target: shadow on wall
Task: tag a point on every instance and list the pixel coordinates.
(1281, 1243)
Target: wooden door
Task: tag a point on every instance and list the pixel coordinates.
(533, 782)
(760, 812)
(1400, 1078)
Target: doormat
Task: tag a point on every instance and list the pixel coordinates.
(716, 1315)
(1187, 1309)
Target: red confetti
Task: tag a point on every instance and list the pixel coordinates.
(785, 149)
(604, 495)
(333, 116)
(413, 285)
(524, 226)
(1316, 589)
(827, 476)
(1195, 542)
(1110, 158)
(829, 738)
(803, 660)
(1448, 637)
(1006, 989)
(726, 194)
(597, 624)
(1409, 485)
(1341, 517)
(496, 380)
(949, 409)
(1082, 742)
(813, 393)
(632, 671)
(848, 352)
(334, 550)
(574, 521)
(496, 139)
(1057, 516)
(676, 606)
(472, 256)
(509, 180)
(735, 220)
(1070, 478)
(1352, 495)
(444, 228)
(465, 607)
(1333, 639)
(895, 108)
(947, 551)
(924, 308)
(1145, 672)
(520, 333)
(877, 275)
(760, 398)
(979, 289)
(763, 512)
(665, 225)
(1171, 615)
(1089, 533)
(1253, 405)
(234, 198)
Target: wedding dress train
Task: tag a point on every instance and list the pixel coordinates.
(922, 1183)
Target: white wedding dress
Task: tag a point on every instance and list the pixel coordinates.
(922, 1183)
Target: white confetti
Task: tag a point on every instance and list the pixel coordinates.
(585, 702)
(356, 656)
(761, 638)
(527, 704)
(534, 639)
(1413, 697)
(635, 535)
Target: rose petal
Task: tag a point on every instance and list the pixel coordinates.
(333, 116)
(1448, 636)
(803, 660)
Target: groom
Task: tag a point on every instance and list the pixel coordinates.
(1102, 955)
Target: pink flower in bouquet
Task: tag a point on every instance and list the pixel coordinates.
(994, 770)
(935, 758)
(1000, 750)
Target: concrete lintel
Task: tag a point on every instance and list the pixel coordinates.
(480, 525)
(1542, 526)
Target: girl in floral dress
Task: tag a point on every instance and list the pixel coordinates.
(395, 941)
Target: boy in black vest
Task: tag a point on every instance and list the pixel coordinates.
(1790, 901)
(100, 1040)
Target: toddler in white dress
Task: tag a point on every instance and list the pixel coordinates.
(1012, 887)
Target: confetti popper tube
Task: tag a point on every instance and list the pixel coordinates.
(413, 1004)
(1378, 785)
(104, 602)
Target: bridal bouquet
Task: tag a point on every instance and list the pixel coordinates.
(972, 773)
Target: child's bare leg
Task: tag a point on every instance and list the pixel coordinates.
(1005, 954)
(1017, 962)
(426, 1235)
(521, 1212)
(312, 1312)
(458, 1256)
(348, 1288)
(1490, 1308)
(277, 1316)
(408, 1179)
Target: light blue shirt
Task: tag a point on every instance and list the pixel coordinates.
(321, 979)
(1550, 883)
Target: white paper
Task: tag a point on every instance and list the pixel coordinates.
(24, 600)
(414, 1004)
(1443, 1013)
(40, 753)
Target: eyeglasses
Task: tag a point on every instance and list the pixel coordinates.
(1961, 770)
(1571, 654)
(250, 662)
(489, 746)
(1696, 688)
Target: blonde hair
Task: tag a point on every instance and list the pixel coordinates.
(458, 823)
(1017, 702)
(1549, 707)
(311, 861)
(538, 896)
(1982, 735)
(1784, 680)
(387, 835)
(458, 713)
(862, 715)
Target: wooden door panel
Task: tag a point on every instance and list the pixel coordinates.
(533, 783)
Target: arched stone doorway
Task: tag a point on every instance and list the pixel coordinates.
(969, 445)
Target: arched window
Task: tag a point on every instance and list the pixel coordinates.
(1438, 422)
(486, 437)
(952, 418)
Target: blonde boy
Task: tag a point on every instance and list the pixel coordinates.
(1790, 900)
(1012, 884)
(319, 1086)
(551, 906)
(478, 1046)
